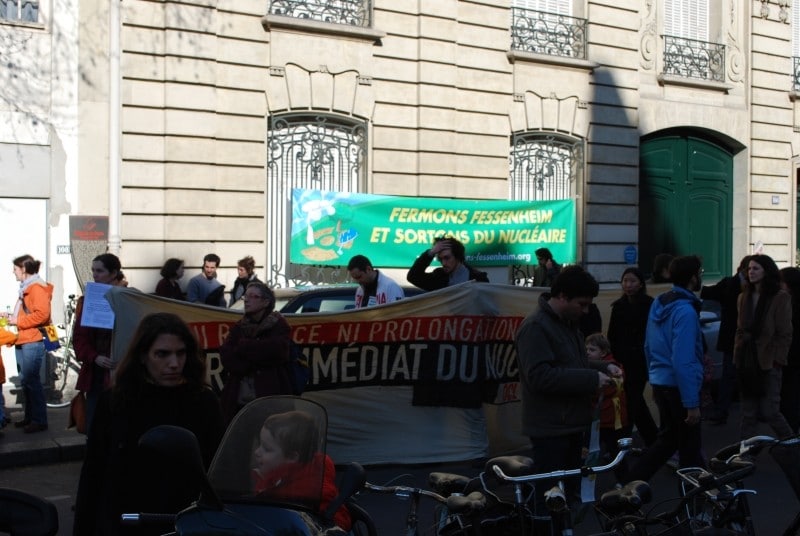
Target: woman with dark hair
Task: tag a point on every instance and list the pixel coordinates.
(169, 287)
(161, 380)
(763, 338)
(790, 386)
(31, 314)
(661, 268)
(93, 345)
(256, 353)
(626, 333)
(246, 275)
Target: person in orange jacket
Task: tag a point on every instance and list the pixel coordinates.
(7, 338)
(31, 312)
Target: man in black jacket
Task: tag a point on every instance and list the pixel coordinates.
(454, 269)
(557, 380)
(726, 292)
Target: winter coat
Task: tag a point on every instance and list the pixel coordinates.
(557, 380)
(438, 278)
(301, 482)
(257, 347)
(626, 334)
(167, 288)
(36, 299)
(775, 338)
(7, 338)
(239, 286)
(674, 344)
(89, 343)
(118, 477)
(614, 406)
(726, 292)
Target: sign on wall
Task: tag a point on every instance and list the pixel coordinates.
(328, 228)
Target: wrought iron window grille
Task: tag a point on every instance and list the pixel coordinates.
(350, 12)
(312, 151)
(796, 74)
(690, 58)
(552, 34)
(543, 166)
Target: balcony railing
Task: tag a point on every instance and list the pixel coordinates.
(796, 74)
(19, 10)
(548, 33)
(351, 12)
(689, 58)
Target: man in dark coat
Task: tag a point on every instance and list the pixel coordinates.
(557, 380)
(454, 269)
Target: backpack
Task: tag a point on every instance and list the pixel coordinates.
(298, 366)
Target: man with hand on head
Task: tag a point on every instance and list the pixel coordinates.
(374, 288)
(454, 270)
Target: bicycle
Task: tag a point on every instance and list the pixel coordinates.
(516, 471)
(745, 452)
(712, 501)
(450, 514)
(62, 365)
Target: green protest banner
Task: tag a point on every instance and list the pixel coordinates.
(330, 227)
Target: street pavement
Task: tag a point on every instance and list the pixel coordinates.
(54, 445)
(47, 464)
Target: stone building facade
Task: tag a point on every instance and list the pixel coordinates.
(668, 142)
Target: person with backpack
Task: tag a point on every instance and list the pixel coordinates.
(257, 353)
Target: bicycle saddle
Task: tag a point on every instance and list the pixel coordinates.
(511, 465)
(628, 499)
(447, 483)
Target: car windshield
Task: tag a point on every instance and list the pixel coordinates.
(273, 452)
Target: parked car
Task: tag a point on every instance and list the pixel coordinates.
(319, 299)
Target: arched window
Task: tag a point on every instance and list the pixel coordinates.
(544, 166)
(314, 151)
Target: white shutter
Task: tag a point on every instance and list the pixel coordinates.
(796, 29)
(686, 18)
(562, 7)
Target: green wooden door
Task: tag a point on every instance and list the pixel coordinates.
(685, 199)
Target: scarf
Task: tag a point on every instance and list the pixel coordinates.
(23, 286)
(253, 325)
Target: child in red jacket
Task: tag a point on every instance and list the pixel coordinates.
(288, 465)
(613, 406)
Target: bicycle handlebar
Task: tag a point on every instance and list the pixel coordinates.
(405, 492)
(753, 444)
(624, 447)
(142, 519)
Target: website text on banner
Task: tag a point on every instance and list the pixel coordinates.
(423, 365)
(330, 227)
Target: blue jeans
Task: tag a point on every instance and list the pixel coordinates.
(29, 364)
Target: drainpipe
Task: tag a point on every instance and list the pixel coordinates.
(114, 105)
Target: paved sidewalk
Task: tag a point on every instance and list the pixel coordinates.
(54, 445)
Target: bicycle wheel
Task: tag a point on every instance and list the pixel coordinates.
(64, 374)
